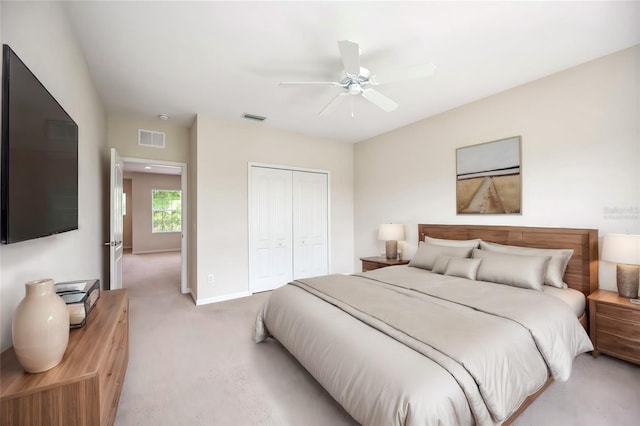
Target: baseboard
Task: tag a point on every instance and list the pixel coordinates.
(155, 251)
(222, 298)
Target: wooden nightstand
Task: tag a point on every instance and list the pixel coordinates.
(377, 262)
(614, 325)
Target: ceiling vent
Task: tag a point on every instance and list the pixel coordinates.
(150, 138)
(253, 117)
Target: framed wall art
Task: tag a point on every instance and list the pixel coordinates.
(488, 178)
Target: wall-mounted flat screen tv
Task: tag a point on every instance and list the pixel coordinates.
(39, 158)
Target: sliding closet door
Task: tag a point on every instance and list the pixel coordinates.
(310, 224)
(270, 246)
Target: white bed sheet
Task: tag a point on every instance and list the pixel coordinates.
(574, 298)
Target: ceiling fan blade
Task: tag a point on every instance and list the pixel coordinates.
(410, 73)
(333, 103)
(312, 83)
(379, 100)
(350, 53)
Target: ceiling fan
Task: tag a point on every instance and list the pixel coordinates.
(357, 80)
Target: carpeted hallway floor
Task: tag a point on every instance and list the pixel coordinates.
(193, 365)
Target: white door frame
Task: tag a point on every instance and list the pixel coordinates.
(249, 195)
(115, 221)
(184, 288)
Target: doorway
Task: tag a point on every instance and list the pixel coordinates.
(157, 189)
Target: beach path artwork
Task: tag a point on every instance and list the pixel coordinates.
(488, 178)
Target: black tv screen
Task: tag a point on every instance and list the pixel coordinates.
(39, 158)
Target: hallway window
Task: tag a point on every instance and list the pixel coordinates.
(166, 210)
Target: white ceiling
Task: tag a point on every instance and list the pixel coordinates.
(227, 58)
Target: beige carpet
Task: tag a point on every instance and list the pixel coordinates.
(193, 365)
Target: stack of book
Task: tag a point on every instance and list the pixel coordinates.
(80, 297)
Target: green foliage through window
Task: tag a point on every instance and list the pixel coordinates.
(166, 208)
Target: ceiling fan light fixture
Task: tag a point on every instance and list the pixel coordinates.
(355, 89)
(356, 80)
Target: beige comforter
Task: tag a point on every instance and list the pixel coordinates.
(450, 351)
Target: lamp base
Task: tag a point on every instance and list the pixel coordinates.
(391, 249)
(628, 277)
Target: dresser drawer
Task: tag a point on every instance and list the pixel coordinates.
(113, 369)
(370, 266)
(619, 313)
(618, 327)
(619, 346)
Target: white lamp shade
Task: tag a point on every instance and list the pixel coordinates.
(621, 248)
(391, 232)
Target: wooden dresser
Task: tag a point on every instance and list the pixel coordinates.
(84, 389)
(614, 325)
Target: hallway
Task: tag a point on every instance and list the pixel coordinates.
(160, 271)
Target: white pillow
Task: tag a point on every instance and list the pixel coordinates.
(427, 254)
(440, 265)
(557, 265)
(512, 269)
(464, 268)
(453, 243)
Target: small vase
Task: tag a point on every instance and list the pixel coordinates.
(40, 327)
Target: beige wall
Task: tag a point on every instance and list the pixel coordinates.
(122, 134)
(41, 35)
(580, 150)
(224, 149)
(144, 240)
(127, 222)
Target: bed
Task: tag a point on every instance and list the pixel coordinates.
(407, 345)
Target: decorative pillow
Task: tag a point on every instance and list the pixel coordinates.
(512, 269)
(464, 268)
(453, 243)
(557, 265)
(440, 265)
(427, 253)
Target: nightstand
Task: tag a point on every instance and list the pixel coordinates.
(614, 325)
(377, 262)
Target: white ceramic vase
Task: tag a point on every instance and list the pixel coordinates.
(40, 327)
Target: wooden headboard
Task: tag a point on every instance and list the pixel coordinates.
(582, 271)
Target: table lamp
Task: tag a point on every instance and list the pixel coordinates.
(624, 249)
(391, 233)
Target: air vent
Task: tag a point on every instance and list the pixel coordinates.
(150, 138)
(253, 117)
